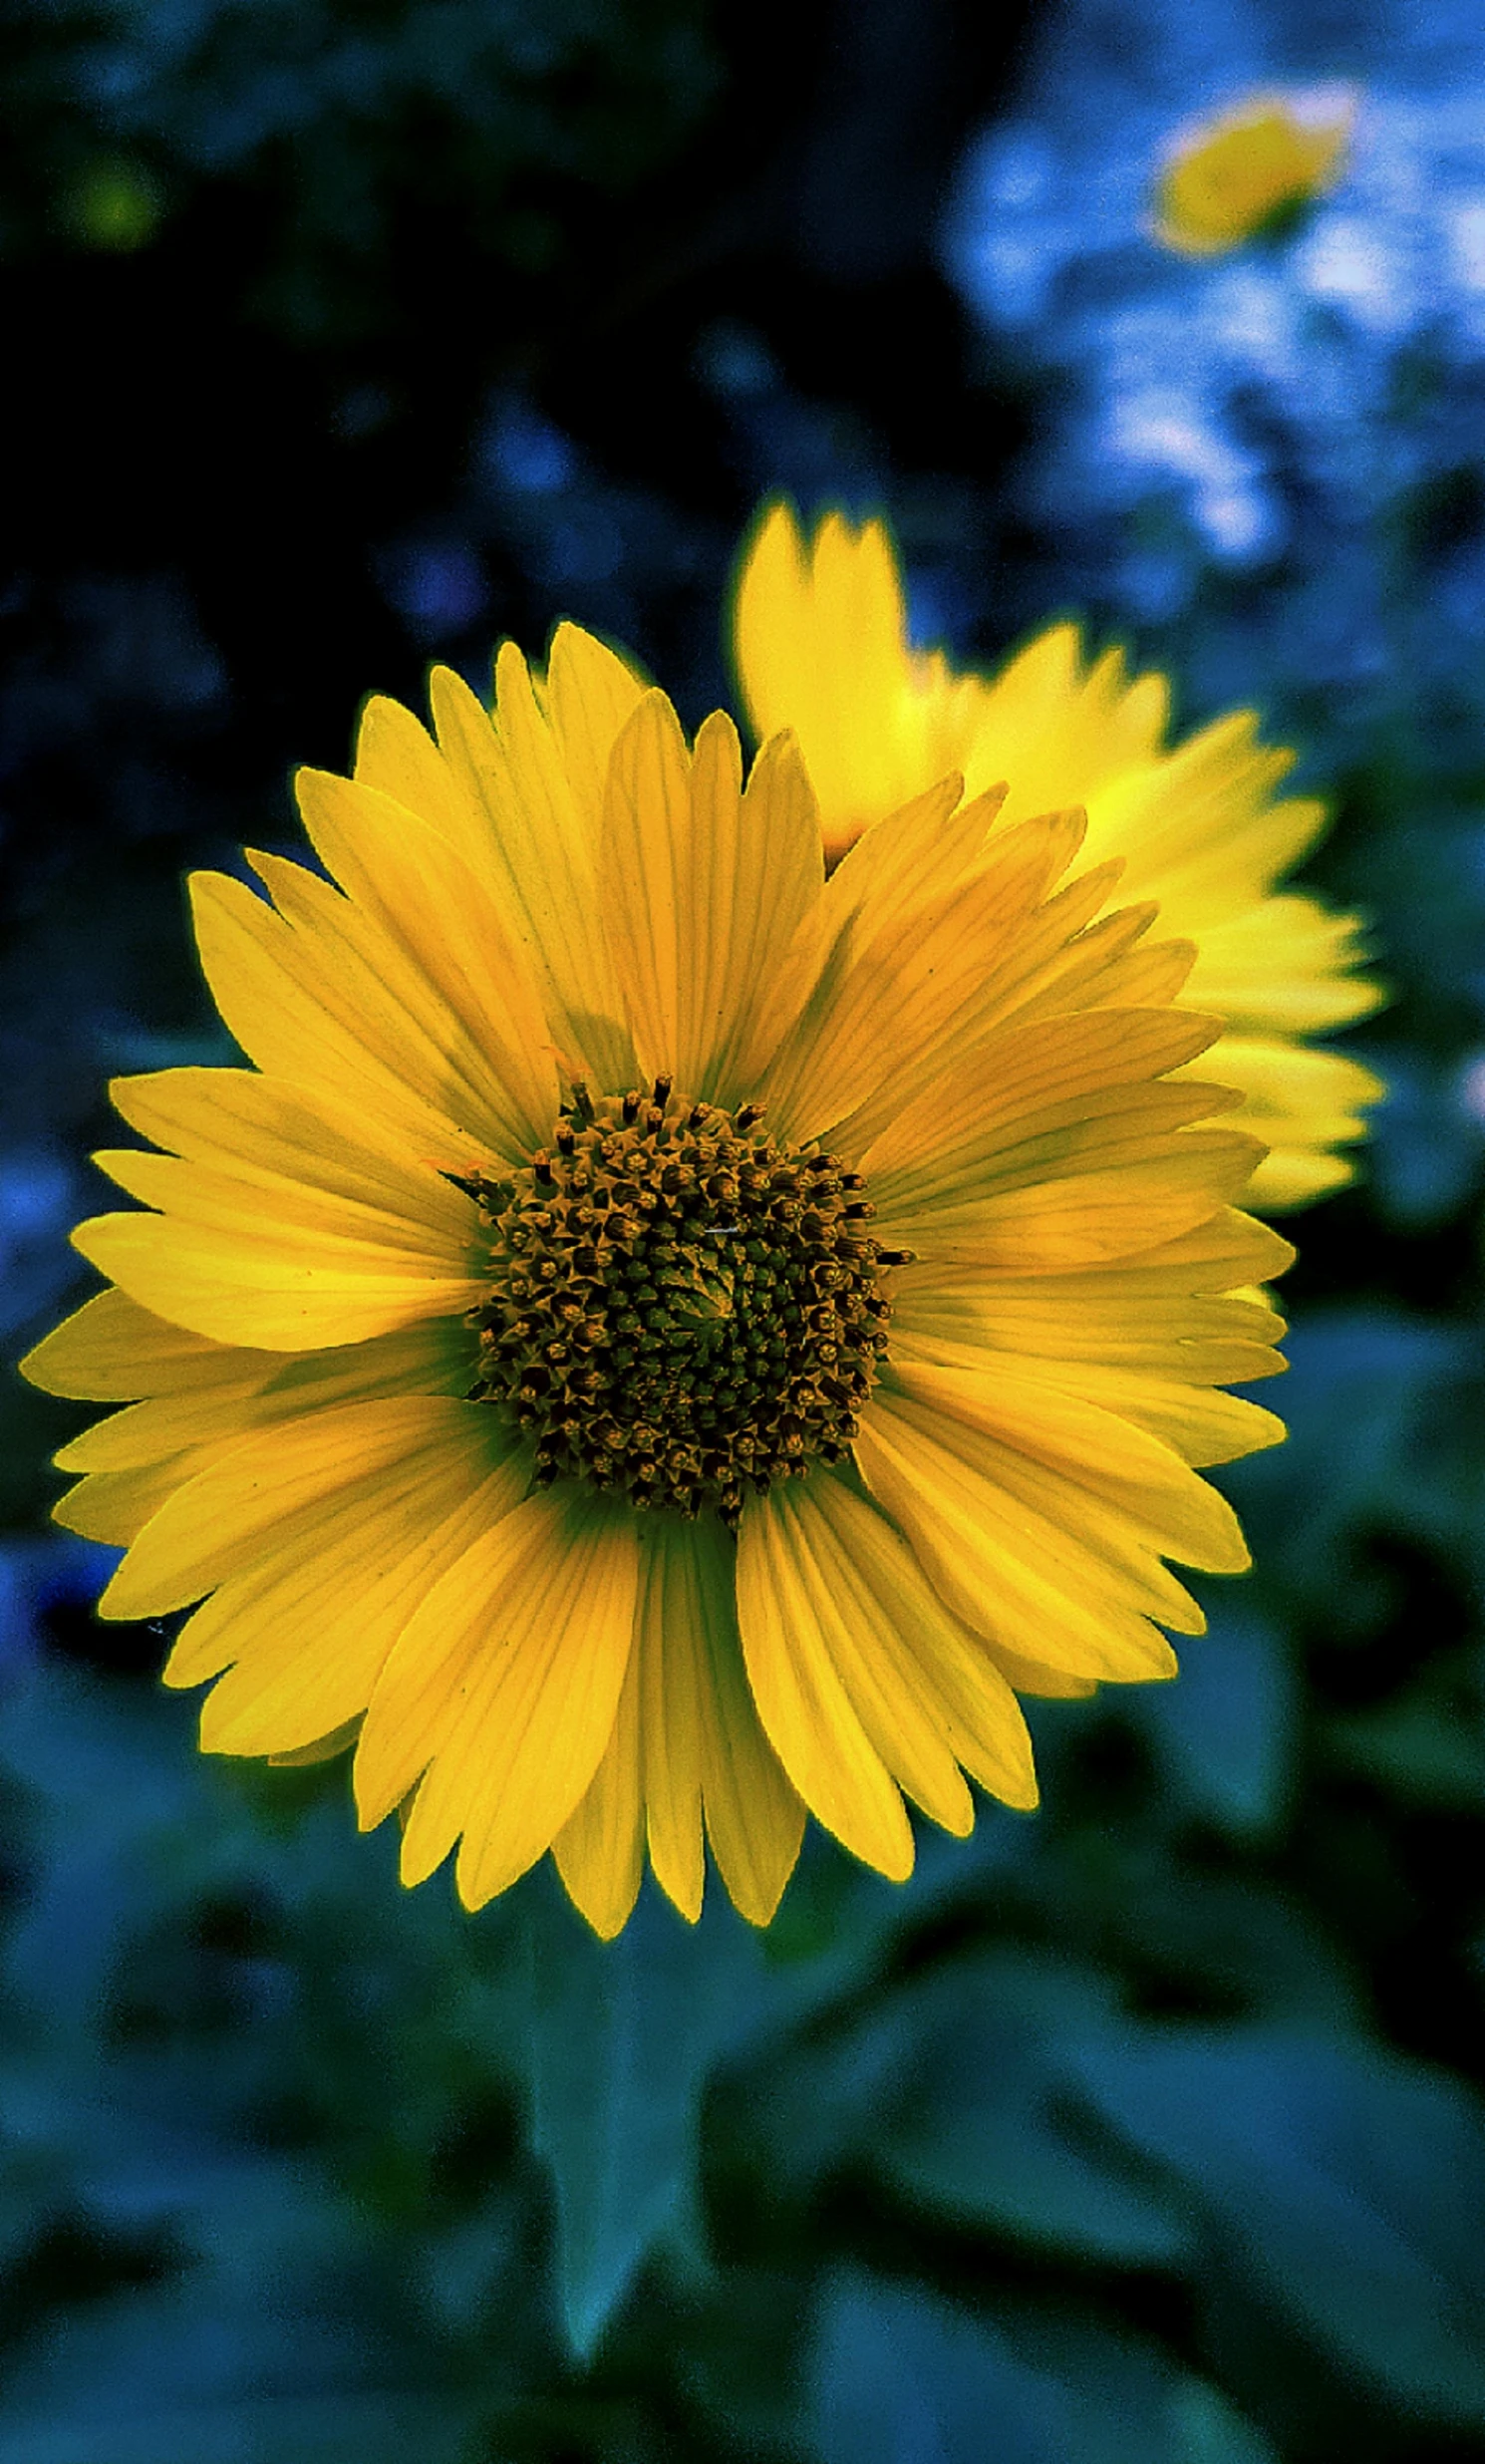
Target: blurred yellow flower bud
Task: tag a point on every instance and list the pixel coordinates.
(1248, 167)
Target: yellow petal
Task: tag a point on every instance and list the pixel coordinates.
(1303, 1104)
(1182, 1408)
(310, 1627)
(320, 1749)
(316, 995)
(913, 856)
(1199, 828)
(283, 1489)
(286, 1223)
(887, 1017)
(704, 888)
(926, 1690)
(254, 1388)
(499, 1699)
(705, 1754)
(819, 641)
(268, 1132)
(1012, 1569)
(285, 1293)
(1085, 1456)
(444, 916)
(543, 838)
(600, 1849)
(791, 1628)
(1025, 1082)
(111, 1350)
(590, 692)
(115, 1505)
(1078, 1217)
(645, 871)
(1030, 1677)
(1166, 1321)
(396, 755)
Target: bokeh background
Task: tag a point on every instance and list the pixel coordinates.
(345, 334)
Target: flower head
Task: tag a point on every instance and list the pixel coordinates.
(660, 1339)
(1250, 168)
(822, 645)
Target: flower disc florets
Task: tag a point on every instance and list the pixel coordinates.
(680, 1306)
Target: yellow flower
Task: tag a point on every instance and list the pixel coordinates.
(1250, 168)
(659, 1339)
(821, 647)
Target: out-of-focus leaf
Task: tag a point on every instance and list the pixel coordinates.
(1428, 1747)
(619, 2039)
(738, 2358)
(979, 2134)
(901, 2377)
(177, 2375)
(988, 2148)
(617, 2042)
(1225, 1731)
(838, 1922)
(1383, 1438)
(1426, 1142)
(1350, 2184)
(97, 1789)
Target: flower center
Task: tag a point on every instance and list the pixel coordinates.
(680, 1305)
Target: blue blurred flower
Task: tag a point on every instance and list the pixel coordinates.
(1289, 434)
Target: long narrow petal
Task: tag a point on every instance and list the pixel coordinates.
(283, 1489)
(887, 1016)
(1021, 1083)
(310, 1628)
(705, 887)
(252, 1389)
(396, 755)
(1092, 1457)
(789, 1627)
(1303, 1104)
(600, 1849)
(820, 647)
(115, 1505)
(544, 847)
(644, 872)
(112, 1351)
(445, 917)
(1183, 1407)
(316, 993)
(707, 1758)
(284, 1222)
(996, 1544)
(926, 1690)
(499, 1699)
(270, 1134)
(589, 692)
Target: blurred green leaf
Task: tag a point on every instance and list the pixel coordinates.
(620, 2038)
(1428, 1747)
(1349, 2182)
(1384, 1421)
(1427, 1138)
(947, 2091)
(180, 2375)
(901, 2377)
(980, 2134)
(1225, 1732)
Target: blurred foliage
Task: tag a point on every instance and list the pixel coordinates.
(330, 124)
(1146, 2128)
